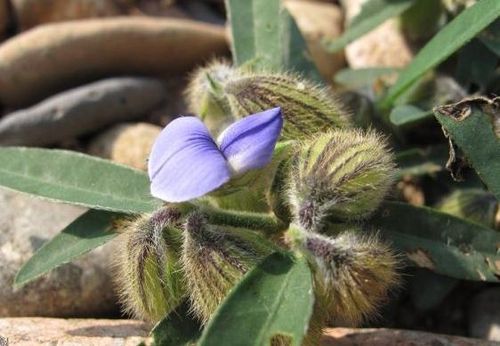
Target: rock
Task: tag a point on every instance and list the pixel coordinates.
(80, 288)
(393, 337)
(484, 315)
(29, 331)
(129, 144)
(317, 22)
(54, 57)
(384, 46)
(82, 110)
(64, 332)
(30, 13)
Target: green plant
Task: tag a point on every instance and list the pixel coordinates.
(328, 186)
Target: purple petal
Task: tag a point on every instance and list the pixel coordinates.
(249, 143)
(185, 162)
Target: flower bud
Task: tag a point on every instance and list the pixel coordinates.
(352, 274)
(307, 109)
(205, 95)
(341, 175)
(214, 259)
(474, 204)
(148, 275)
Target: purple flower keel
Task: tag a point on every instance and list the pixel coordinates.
(186, 163)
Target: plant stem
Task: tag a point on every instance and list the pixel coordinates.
(267, 224)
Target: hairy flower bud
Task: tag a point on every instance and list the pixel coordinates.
(307, 109)
(205, 95)
(215, 258)
(353, 274)
(340, 175)
(474, 204)
(148, 275)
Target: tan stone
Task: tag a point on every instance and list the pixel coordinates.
(30, 13)
(54, 57)
(30, 331)
(384, 46)
(129, 144)
(318, 21)
(394, 337)
(64, 332)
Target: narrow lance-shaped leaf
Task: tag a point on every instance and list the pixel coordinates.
(70, 177)
(469, 124)
(405, 115)
(178, 328)
(441, 242)
(372, 14)
(266, 37)
(357, 78)
(453, 36)
(89, 231)
(421, 161)
(275, 298)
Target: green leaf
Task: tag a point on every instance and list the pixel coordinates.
(428, 289)
(453, 36)
(356, 78)
(70, 177)
(419, 161)
(178, 328)
(476, 65)
(469, 125)
(491, 37)
(441, 242)
(90, 230)
(372, 14)
(408, 115)
(266, 37)
(276, 297)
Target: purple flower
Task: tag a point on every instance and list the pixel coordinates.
(187, 163)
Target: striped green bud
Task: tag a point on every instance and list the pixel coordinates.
(307, 109)
(205, 95)
(353, 273)
(214, 259)
(148, 275)
(341, 175)
(474, 204)
(248, 191)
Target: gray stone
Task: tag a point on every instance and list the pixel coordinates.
(82, 110)
(81, 288)
(484, 315)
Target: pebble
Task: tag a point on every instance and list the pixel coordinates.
(384, 46)
(80, 288)
(54, 57)
(484, 315)
(128, 144)
(317, 22)
(30, 13)
(81, 111)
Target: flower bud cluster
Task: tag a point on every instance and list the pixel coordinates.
(322, 172)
